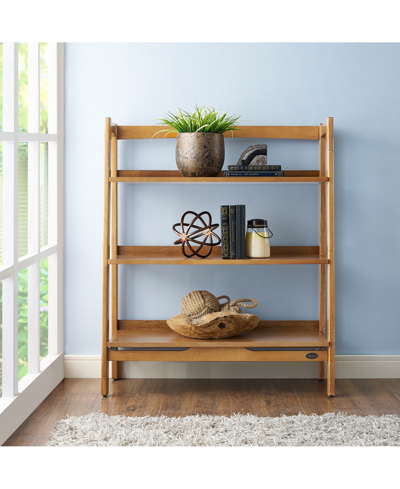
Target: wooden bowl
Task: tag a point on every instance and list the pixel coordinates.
(213, 326)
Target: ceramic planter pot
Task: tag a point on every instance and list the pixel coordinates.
(200, 154)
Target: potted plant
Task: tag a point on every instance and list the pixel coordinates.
(200, 149)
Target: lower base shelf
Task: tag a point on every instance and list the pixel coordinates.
(219, 355)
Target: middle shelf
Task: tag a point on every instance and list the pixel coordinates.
(174, 176)
(172, 255)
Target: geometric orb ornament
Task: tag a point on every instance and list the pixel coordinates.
(193, 233)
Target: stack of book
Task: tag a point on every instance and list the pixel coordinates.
(233, 229)
(254, 171)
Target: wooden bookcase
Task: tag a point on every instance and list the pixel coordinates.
(285, 340)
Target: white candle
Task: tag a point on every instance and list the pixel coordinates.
(257, 245)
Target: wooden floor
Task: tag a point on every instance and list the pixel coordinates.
(184, 397)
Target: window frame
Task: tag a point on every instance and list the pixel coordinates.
(19, 399)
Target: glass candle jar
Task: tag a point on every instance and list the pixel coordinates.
(257, 239)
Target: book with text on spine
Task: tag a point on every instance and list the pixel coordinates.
(232, 231)
(225, 231)
(253, 173)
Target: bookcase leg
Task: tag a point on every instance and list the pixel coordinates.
(321, 374)
(114, 370)
(331, 371)
(104, 374)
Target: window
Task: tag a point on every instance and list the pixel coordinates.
(31, 220)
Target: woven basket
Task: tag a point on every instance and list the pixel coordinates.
(198, 303)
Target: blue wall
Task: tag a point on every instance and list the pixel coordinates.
(268, 84)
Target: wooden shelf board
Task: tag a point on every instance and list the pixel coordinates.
(172, 255)
(253, 132)
(269, 334)
(174, 176)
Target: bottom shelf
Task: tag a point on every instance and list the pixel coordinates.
(219, 355)
(268, 334)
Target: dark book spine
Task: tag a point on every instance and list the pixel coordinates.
(225, 231)
(243, 232)
(238, 233)
(254, 173)
(254, 168)
(232, 231)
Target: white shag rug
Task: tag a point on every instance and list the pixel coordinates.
(330, 429)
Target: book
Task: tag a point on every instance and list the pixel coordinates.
(254, 168)
(232, 231)
(244, 230)
(240, 232)
(225, 231)
(238, 228)
(253, 173)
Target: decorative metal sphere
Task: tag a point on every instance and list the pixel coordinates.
(194, 233)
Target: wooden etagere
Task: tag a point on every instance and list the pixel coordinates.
(285, 340)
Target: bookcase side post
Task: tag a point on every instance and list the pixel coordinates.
(106, 240)
(331, 258)
(114, 249)
(322, 240)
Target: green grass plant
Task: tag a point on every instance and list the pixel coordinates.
(203, 119)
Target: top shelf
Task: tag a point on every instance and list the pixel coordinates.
(174, 176)
(252, 132)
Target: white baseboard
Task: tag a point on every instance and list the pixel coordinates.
(347, 367)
